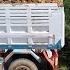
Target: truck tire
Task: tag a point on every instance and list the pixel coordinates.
(22, 64)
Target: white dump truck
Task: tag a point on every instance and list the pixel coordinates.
(30, 35)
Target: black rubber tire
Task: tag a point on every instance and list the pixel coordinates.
(22, 62)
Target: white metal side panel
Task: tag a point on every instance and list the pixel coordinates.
(57, 26)
(30, 24)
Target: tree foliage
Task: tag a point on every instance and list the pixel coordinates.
(64, 57)
(67, 18)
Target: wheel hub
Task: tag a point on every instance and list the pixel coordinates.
(22, 68)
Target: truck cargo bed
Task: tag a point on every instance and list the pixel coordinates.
(31, 26)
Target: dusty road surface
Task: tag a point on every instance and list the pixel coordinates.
(0, 67)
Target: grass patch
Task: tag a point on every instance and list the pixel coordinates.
(63, 67)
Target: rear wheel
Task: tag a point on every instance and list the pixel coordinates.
(22, 64)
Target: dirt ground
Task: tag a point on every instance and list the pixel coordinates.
(0, 67)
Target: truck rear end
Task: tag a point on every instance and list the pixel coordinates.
(30, 34)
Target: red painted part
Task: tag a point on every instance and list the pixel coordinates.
(53, 60)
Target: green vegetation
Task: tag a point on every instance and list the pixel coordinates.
(64, 58)
(67, 17)
(63, 68)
